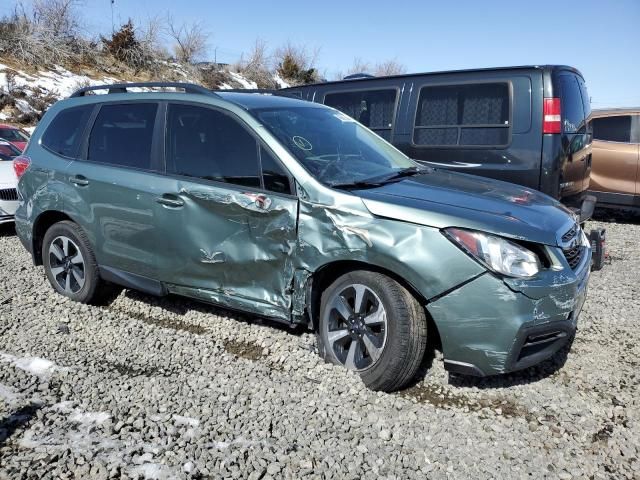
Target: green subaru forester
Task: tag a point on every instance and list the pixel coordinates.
(293, 211)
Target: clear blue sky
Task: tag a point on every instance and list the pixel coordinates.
(599, 37)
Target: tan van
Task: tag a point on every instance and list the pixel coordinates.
(615, 173)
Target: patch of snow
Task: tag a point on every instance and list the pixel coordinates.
(180, 420)
(63, 406)
(89, 418)
(154, 471)
(23, 105)
(225, 86)
(40, 367)
(8, 395)
(281, 83)
(243, 81)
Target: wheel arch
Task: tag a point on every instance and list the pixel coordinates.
(40, 226)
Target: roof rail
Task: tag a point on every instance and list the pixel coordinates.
(122, 88)
(265, 91)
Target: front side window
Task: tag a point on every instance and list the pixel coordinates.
(122, 135)
(63, 133)
(331, 146)
(612, 129)
(211, 145)
(469, 115)
(372, 108)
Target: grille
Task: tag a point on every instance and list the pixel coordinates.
(573, 256)
(8, 194)
(570, 234)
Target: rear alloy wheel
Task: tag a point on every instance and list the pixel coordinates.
(67, 264)
(70, 264)
(372, 325)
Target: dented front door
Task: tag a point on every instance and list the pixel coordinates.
(229, 245)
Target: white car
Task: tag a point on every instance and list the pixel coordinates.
(8, 182)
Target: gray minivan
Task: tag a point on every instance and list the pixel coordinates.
(527, 125)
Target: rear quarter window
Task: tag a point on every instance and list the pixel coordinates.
(463, 115)
(63, 134)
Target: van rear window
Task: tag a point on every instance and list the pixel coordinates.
(463, 115)
(572, 106)
(372, 108)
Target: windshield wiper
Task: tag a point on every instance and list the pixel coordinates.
(380, 180)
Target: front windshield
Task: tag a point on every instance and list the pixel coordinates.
(13, 135)
(332, 146)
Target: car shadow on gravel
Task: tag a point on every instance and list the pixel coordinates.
(7, 230)
(546, 369)
(180, 306)
(616, 216)
(16, 421)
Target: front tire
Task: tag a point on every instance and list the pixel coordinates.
(69, 262)
(371, 324)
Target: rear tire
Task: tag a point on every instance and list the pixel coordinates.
(70, 264)
(373, 325)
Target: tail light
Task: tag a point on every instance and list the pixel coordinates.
(21, 164)
(551, 116)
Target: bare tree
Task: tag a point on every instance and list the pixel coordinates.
(256, 65)
(58, 17)
(388, 68)
(359, 66)
(190, 40)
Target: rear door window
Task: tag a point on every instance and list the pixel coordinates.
(122, 135)
(63, 134)
(375, 109)
(212, 145)
(572, 106)
(463, 115)
(612, 129)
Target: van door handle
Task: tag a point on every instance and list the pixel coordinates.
(169, 200)
(79, 181)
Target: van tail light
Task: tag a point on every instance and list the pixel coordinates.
(21, 164)
(551, 116)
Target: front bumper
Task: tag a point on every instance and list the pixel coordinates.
(7, 210)
(492, 325)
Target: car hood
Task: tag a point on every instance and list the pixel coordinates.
(8, 177)
(449, 199)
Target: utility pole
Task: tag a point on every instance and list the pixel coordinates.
(113, 28)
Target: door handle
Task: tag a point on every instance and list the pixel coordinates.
(79, 181)
(260, 200)
(169, 200)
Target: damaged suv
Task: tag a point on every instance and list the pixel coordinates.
(294, 211)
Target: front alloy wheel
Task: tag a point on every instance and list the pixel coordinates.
(371, 324)
(356, 327)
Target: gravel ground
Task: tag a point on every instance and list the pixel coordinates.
(169, 388)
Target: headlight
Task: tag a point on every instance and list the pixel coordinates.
(496, 253)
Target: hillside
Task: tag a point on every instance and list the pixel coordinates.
(26, 92)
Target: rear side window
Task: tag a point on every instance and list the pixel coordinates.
(122, 135)
(612, 129)
(63, 134)
(572, 106)
(373, 108)
(209, 144)
(464, 115)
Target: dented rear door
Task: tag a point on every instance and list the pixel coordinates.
(229, 239)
